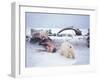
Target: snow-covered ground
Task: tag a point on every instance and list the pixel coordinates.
(37, 58)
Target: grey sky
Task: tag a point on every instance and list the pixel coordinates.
(46, 20)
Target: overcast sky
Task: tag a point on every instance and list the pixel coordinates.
(46, 20)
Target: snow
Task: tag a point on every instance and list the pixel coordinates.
(36, 57)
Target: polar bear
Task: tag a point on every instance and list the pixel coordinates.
(67, 50)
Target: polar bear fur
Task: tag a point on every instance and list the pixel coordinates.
(67, 50)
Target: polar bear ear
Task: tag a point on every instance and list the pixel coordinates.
(70, 46)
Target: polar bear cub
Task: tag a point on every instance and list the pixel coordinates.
(67, 50)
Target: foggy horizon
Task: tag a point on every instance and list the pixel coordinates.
(45, 20)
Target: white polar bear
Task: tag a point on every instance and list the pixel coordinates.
(67, 50)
